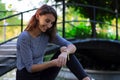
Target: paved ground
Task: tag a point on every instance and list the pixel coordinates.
(65, 74)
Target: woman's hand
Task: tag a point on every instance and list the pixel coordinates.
(63, 49)
(62, 59)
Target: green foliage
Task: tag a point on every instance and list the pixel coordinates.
(102, 11)
(104, 35)
(48, 57)
(102, 14)
(79, 31)
(10, 27)
(83, 31)
(3, 11)
(106, 32)
(2, 8)
(13, 21)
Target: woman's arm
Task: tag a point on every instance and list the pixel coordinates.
(65, 51)
(59, 62)
(45, 65)
(68, 49)
(67, 46)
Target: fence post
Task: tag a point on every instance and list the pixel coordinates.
(21, 22)
(63, 24)
(4, 29)
(94, 22)
(116, 13)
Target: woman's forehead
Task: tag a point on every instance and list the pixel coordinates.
(49, 16)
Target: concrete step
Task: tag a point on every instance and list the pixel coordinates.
(65, 74)
(8, 47)
(7, 51)
(7, 56)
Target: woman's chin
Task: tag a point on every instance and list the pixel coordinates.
(43, 30)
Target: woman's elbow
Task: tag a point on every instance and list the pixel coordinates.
(74, 48)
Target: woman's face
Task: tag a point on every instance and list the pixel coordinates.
(46, 22)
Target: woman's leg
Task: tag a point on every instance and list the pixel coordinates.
(51, 73)
(76, 68)
(25, 75)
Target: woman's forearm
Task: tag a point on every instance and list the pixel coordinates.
(40, 67)
(69, 49)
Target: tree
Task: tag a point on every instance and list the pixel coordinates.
(2, 8)
(4, 13)
(106, 13)
(6, 25)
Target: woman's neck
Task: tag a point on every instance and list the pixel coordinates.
(35, 33)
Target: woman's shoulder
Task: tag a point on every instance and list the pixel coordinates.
(24, 35)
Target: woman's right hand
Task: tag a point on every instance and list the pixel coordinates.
(55, 62)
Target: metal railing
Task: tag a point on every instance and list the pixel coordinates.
(64, 21)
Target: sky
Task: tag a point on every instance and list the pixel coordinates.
(24, 5)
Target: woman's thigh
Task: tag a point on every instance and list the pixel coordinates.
(47, 74)
(25, 75)
(50, 73)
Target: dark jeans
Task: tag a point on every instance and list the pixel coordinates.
(51, 73)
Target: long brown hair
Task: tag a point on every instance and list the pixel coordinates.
(45, 9)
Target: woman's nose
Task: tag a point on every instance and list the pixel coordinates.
(49, 25)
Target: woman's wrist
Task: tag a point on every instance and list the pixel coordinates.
(64, 49)
(67, 53)
(52, 63)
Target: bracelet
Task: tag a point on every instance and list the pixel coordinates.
(68, 57)
(66, 50)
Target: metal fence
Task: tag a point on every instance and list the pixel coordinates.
(6, 28)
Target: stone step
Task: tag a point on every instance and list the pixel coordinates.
(8, 47)
(65, 74)
(7, 51)
(8, 56)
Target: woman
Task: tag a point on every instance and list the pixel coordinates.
(31, 45)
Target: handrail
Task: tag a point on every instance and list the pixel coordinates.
(16, 14)
(21, 13)
(9, 40)
(82, 5)
(86, 21)
(91, 6)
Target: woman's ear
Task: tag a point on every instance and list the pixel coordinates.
(37, 16)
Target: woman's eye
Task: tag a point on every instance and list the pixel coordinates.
(47, 20)
(52, 23)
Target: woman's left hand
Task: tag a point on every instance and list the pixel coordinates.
(62, 59)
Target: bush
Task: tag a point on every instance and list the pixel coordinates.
(79, 31)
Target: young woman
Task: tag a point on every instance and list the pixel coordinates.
(31, 45)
